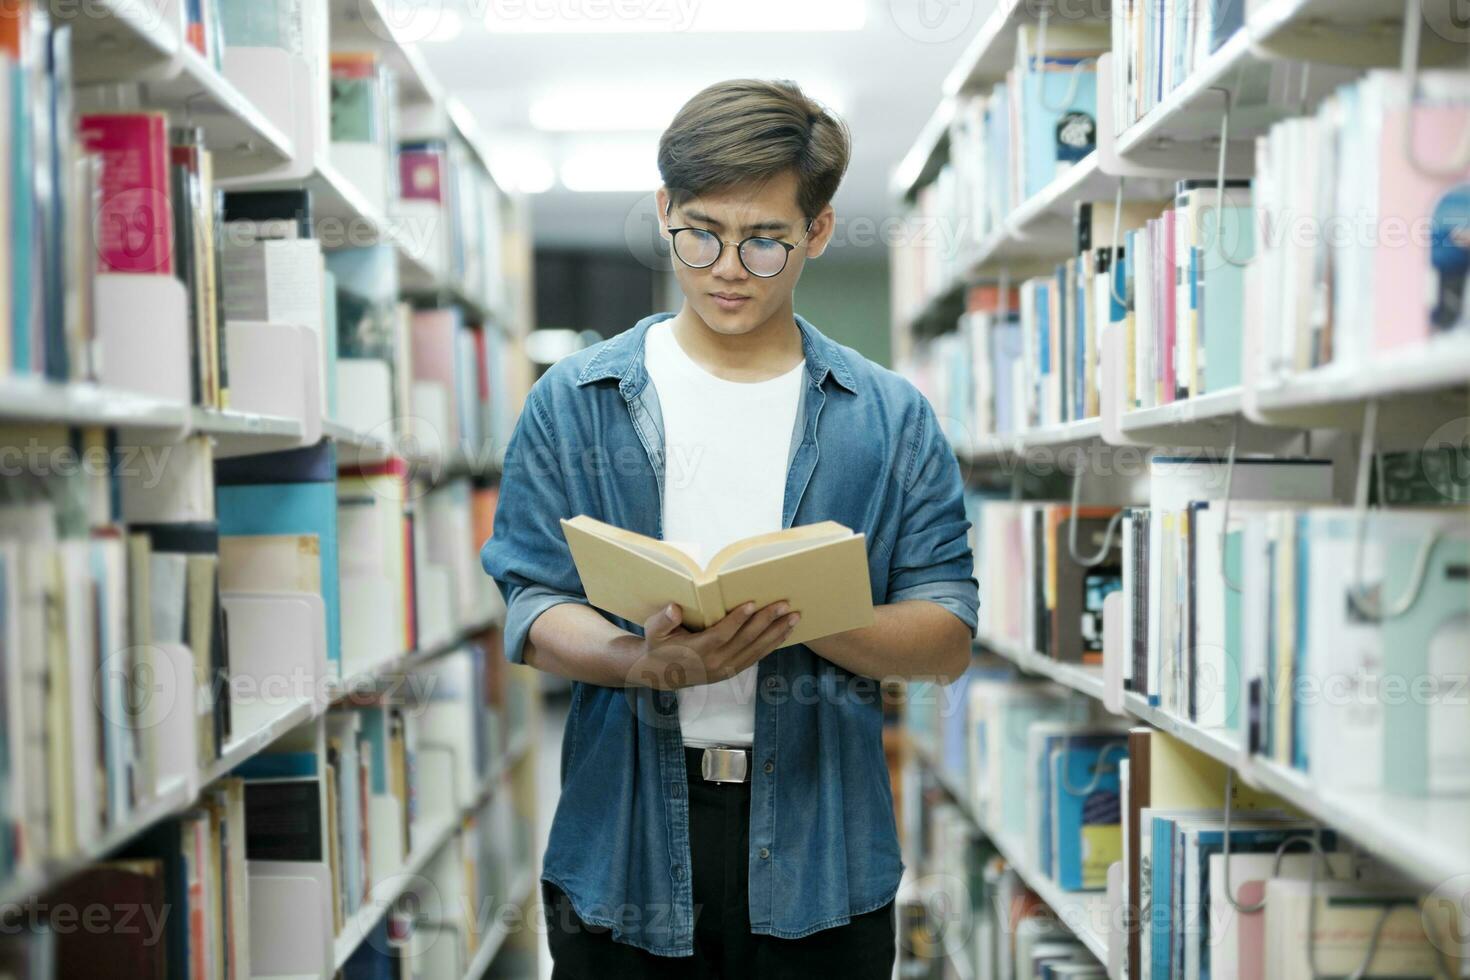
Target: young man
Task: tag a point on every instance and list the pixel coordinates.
(725, 806)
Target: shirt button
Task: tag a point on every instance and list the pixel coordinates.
(771, 684)
(765, 852)
(769, 766)
(678, 872)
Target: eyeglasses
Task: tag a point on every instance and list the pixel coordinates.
(762, 257)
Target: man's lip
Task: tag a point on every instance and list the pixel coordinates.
(728, 296)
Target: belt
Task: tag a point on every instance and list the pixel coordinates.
(718, 764)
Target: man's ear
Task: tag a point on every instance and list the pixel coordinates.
(661, 204)
(823, 227)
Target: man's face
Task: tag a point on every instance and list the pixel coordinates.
(726, 295)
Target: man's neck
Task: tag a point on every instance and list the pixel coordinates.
(768, 351)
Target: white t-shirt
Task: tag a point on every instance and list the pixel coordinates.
(726, 447)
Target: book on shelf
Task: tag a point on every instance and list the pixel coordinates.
(134, 231)
(289, 493)
(1055, 102)
(1340, 299)
(820, 570)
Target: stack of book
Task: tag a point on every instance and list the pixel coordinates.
(1040, 597)
(1361, 214)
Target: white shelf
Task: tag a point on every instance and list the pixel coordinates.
(922, 157)
(1334, 395)
(992, 52)
(35, 883)
(356, 447)
(242, 747)
(382, 895)
(1428, 838)
(117, 38)
(241, 138)
(83, 403)
(1082, 678)
(1086, 914)
(1215, 406)
(370, 677)
(385, 893)
(1220, 744)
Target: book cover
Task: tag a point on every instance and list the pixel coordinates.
(283, 820)
(1088, 829)
(821, 570)
(421, 174)
(134, 228)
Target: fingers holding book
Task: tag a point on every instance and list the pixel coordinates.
(675, 658)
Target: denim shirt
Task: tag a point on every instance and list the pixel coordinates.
(866, 452)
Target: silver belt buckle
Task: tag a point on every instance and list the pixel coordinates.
(719, 765)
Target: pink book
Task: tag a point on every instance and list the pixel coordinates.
(1419, 266)
(421, 173)
(1251, 933)
(433, 346)
(135, 217)
(1166, 279)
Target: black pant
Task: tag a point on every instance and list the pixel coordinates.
(724, 946)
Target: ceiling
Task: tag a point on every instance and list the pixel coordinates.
(885, 77)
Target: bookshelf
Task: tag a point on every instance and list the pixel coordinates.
(259, 132)
(1418, 393)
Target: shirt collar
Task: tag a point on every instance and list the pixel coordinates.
(621, 357)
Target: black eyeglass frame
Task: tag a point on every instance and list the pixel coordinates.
(788, 246)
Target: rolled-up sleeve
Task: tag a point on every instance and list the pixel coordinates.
(528, 555)
(931, 559)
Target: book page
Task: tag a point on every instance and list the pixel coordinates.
(762, 547)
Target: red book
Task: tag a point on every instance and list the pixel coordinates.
(987, 299)
(421, 172)
(135, 217)
(15, 15)
(354, 64)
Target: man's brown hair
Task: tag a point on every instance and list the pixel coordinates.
(749, 129)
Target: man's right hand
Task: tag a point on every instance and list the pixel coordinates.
(672, 657)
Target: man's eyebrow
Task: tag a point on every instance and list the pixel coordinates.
(773, 224)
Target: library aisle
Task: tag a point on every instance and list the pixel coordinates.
(1184, 283)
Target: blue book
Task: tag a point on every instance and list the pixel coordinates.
(1005, 353)
(22, 216)
(1043, 342)
(1065, 316)
(1300, 707)
(373, 729)
(297, 507)
(278, 765)
(999, 131)
(1079, 345)
(1230, 238)
(1056, 138)
(1088, 827)
(373, 959)
(1048, 790)
(1162, 919)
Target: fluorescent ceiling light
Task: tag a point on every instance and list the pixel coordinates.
(648, 110)
(592, 167)
(672, 16)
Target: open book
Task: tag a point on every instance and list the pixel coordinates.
(821, 570)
